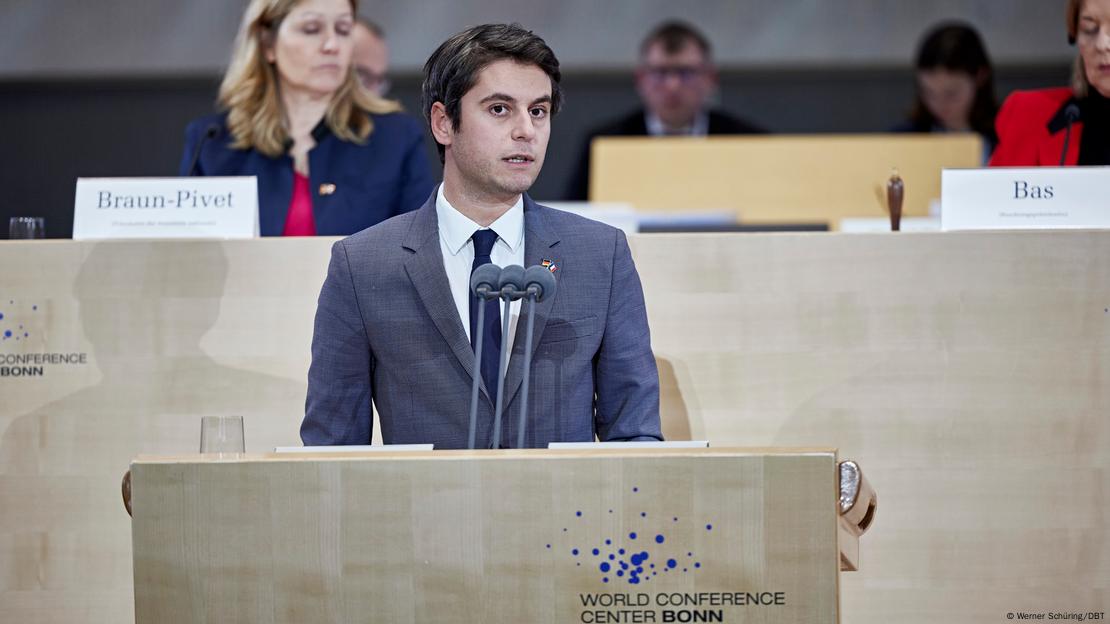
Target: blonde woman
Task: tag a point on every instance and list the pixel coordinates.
(331, 159)
(1067, 125)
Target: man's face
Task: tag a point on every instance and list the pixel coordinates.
(371, 60)
(675, 87)
(498, 146)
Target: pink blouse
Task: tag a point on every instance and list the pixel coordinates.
(299, 220)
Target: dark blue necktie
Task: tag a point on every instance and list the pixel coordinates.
(491, 333)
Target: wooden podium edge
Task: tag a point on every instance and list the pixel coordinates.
(456, 455)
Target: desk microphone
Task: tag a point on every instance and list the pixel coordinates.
(209, 133)
(539, 284)
(511, 286)
(1071, 113)
(483, 285)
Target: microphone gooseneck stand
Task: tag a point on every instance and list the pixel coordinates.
(1072, 114)
(209, 133)
(539, 283)
(482, 285)
(511, 284)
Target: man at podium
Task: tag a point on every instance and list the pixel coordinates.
(395, 322)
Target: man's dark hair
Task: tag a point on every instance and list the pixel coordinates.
(453, 68)
(674, 35)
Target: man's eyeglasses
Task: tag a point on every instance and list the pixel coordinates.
(683, 74)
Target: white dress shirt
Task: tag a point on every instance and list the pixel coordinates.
(455, 230)
(699, 128)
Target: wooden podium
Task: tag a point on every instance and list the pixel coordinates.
(628, 535)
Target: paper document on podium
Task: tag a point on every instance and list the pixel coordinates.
(355, 448)
(646, 445)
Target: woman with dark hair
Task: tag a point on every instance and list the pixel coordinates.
(955, 85)
(1065, 125)
(331, 158)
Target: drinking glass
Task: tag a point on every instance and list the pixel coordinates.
(221, 434)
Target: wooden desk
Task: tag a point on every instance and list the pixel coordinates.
(777, 179)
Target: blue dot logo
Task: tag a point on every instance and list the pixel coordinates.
(621, 561)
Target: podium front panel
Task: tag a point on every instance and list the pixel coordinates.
(500, 536)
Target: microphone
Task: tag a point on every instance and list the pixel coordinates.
(483, 284)
(511, 286)
(209, 133)
(1071, 113)
(539, 284)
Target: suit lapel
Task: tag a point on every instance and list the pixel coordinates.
(425, 269)
(538, 242)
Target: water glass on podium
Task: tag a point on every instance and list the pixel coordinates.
(221, 435)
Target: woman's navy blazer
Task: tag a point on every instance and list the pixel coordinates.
(353, 186)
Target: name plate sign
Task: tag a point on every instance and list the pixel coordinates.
(204, 207)
(1036, 198)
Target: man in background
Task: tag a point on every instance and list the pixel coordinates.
(371, 56)
(676, 79)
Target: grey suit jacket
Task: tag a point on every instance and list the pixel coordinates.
(387, 330)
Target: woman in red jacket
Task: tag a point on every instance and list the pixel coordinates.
(1064, 126)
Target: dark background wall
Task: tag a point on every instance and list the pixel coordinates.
(60, 129)
(194, 37)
